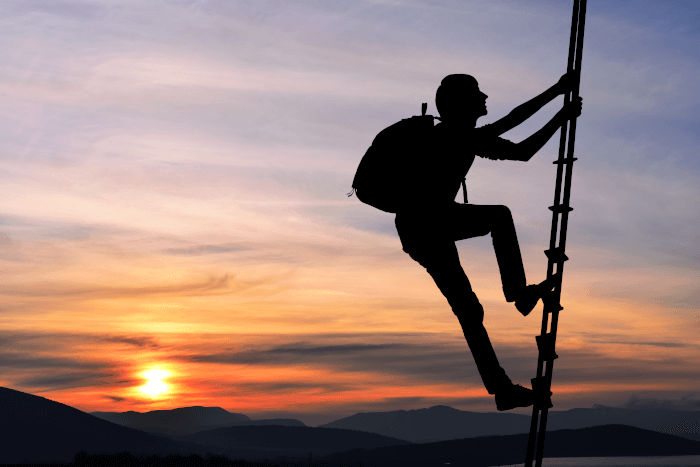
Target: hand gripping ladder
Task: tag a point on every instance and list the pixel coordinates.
(555, 254)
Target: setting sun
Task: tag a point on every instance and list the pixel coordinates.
(155, 385)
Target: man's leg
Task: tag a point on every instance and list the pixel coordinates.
(470, 220)
(442, 263)
(439, 256)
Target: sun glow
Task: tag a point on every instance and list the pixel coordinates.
(155, 385)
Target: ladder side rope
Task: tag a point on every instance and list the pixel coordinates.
(555, 255)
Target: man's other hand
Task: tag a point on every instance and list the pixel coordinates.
(573, 109)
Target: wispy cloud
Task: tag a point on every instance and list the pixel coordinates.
(211, 286)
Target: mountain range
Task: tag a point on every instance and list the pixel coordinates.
(186, 420)
(441, 423)
(38, 430)
(438, 423)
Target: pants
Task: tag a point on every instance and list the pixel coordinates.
(429, 235)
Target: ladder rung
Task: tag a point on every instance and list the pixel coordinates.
(556, 255)
(552, 307)
(566, 160)
(551, 302)
(542, 393)
(545, 344)
(560, 208)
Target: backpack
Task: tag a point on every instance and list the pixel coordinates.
(393, 161)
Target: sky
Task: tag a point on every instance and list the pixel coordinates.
(175, 230)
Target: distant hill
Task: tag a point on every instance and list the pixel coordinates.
(687, 402)
(441, 423)
(437, 423)
(39, 430)
(186, 420)
(683, 423)
(288, 441)
(601, 441)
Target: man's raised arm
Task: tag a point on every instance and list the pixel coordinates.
(521, 113)
(529, 146)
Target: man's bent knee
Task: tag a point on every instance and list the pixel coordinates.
(503, 211)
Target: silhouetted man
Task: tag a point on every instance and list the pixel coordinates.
(430, 225)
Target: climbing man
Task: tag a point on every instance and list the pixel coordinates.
(432, 222)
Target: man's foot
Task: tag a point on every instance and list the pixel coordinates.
(514, 396)
(532, 295)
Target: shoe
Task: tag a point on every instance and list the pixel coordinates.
(526, 303)
(514, 396)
